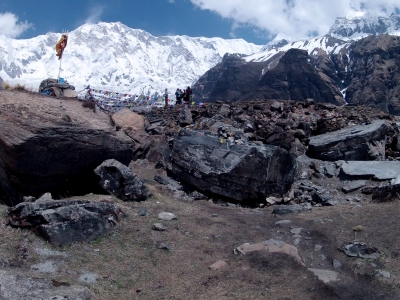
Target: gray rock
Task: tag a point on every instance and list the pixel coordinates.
(289, 209)
(185, 117)
(357, 249)
(384, 274)
(118, 180)
(45, 267)
(16, 286)
(64, 222)
(143, 212)
(165, 180)
(88, 278)
(330, 170)
(351, 143)
(159, 227)
(167, 216)
(336, 264)
(325, 275)
(381, 170)
(353, 186)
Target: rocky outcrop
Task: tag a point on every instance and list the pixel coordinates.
(351, 143)
(294, 78)
(238, 171)
(49, 145)
(375, 73)
(118, 180)
(64, 222)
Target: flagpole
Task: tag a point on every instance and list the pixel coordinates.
(59, 71)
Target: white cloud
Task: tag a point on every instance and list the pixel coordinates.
(94, 15)
(294, 19)
(10, 27)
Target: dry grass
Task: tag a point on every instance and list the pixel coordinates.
(130, 264)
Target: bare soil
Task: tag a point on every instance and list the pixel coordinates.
(130, 264)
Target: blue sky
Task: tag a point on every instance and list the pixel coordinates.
(256, 21)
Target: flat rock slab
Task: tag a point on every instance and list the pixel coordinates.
(325, 275)
(353, 186)
(381, 170)
(166, 216)
(273, 246)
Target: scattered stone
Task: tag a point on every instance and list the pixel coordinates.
(336, 264)
(89, 278)
(143, 212)
(118, 180)
(214, 215)
(271, 246)
(358, 228)
(357, 249)
(330, 170)
(283, 223)
(163, 246)
(273, 200)
(296, 230)
(217, 265)
(384, 274)
(325, 275)
(167, 216)
(46, 267)
(317, 247)
(289, 209)
(159, 227)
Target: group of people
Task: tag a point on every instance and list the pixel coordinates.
(184, 95)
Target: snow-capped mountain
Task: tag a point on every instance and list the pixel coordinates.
(361, 26)
(115, 57)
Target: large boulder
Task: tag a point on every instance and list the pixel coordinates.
(118, 180)
(63, 222)
(241, 171)
(49, 145)
(359, 142)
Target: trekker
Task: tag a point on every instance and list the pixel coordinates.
(178, 95)
(166, 97)
(189, 95)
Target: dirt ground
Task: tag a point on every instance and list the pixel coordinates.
(137, 262)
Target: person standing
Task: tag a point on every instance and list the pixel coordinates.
(166, 97)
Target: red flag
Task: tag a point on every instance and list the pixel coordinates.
(60, 46)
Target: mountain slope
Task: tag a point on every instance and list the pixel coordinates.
(115, 57)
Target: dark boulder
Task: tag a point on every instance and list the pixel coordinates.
(386, 193)
(241, 172)
(64, 222)
(118, 180)
(351, 143)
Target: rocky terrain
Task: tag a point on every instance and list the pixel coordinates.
(364, 72)
(244, 200)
